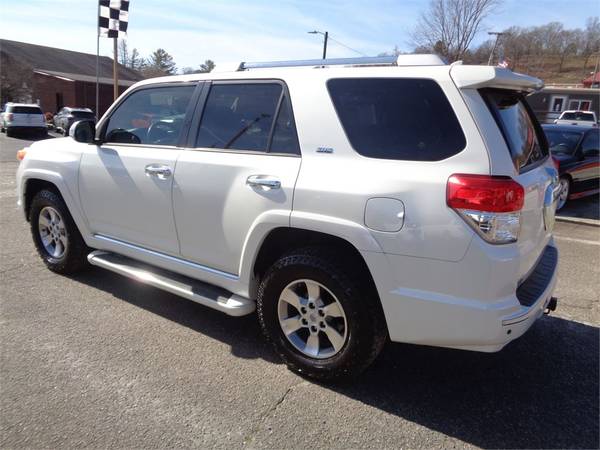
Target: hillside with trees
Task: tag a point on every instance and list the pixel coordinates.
(550, 52)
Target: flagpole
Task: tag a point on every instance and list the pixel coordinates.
(115, 75)
(98, 64)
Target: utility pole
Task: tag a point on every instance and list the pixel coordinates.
(115, 70)
(497, 34)
(325, 39)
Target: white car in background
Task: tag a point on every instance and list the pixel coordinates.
(583, 118)
(22, 117)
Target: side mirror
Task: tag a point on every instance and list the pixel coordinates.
(83, 131)
(591, 152)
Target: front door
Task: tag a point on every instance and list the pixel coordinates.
(125, 183)
(238, 173)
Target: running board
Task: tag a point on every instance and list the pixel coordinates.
(194, 290)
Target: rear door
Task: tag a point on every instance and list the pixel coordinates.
(238, 171)
(28, 116)
(523, 138)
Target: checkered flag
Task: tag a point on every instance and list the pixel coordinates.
(114, 17)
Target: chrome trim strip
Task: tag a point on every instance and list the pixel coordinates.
(196, 266)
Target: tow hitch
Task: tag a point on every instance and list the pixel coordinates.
(551, 306)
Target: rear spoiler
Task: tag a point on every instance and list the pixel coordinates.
(476, 77)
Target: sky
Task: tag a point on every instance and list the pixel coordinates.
(255, 30)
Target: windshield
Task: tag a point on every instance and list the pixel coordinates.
(564, 142)
(578, 115)
(26, 110)
(518, 125)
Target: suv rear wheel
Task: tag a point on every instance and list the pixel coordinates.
(322, 321)
(55, 234)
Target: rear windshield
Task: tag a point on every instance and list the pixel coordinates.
(83, 114)
(520, 128)
(25, 110)
(397, 118)
(577, 115)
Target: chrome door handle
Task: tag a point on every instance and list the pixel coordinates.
(159, 171)
(263, 181)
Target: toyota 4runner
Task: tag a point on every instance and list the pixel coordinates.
(348, 201)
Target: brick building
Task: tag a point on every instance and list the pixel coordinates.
(55, 77)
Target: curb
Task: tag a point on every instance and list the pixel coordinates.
(579, 221)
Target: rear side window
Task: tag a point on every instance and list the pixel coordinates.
(520, 129)
(397, 118)
(239, 116)
(25, 110)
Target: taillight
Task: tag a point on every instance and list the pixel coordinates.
(556, 163)
(491, 205)
(9, 117)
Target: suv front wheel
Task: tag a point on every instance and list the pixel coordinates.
(55, 234)
(322, 320)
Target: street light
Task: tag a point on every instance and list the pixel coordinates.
(325, 37)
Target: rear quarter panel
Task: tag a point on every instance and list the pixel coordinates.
(337, 185)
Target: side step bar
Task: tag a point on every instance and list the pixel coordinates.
(194, 290)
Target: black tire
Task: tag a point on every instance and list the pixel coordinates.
(9, 132)
(366, 327)
(74, 257)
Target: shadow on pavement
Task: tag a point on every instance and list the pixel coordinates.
(583, 208)
(541, 391)
(242, 334)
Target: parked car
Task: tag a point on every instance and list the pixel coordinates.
(22, 117)
(67, 116)
(347, 201)
(582, 118)
(577, 153)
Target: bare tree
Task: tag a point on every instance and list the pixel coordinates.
(135, 60)
(567, 46)
(590, 42)
(449, 26)
(123, 56)
(16, 81)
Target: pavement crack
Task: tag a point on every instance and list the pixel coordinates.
(269, 413)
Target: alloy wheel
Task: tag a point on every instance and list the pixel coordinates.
(52, 231)
(312, 319)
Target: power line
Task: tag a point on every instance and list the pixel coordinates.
(344, 45)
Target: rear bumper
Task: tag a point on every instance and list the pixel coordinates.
(430, 318)
(26, 127)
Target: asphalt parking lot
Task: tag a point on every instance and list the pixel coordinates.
(96, 360)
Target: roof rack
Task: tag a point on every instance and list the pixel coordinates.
(401, 60)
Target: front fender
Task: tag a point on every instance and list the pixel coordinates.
(56, 179)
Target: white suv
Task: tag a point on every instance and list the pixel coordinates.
(22, 117)
(348, 201)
